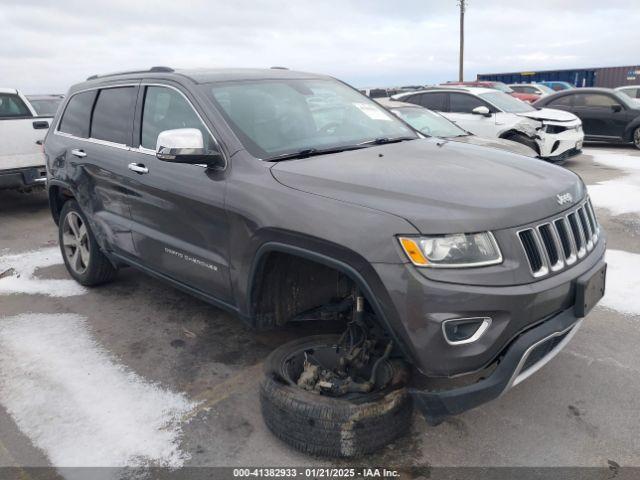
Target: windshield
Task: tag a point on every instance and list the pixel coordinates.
(428, 122)
(273, 118)
(503, 87)
(45, 107)
(545, 89)
(506, 102)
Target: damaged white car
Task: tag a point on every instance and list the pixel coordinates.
(555, 135)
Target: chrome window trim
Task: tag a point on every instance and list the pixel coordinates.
(204, 124)
(484, 326)
(140, 148)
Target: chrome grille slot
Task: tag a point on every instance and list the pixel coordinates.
(551, 246)
(554, 245)
(578, 235)
(533, 250)
(586, 229)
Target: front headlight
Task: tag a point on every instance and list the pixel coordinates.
(452, 251)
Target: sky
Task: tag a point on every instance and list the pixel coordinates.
(47, 46)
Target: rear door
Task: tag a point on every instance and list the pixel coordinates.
(180, 226)
(603, 116)
(20, 133)
(98, 126)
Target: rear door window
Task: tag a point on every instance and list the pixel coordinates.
(77, 116)
(434, 101)
(594, 100)
(463, 103)
(113, 115)
(12, 106)
(563, 101)
(166, 109)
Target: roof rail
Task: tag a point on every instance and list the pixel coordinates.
(157, 69)
(279, 68)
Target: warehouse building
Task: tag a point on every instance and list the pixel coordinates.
(610, 77)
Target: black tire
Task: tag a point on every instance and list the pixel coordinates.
(333, 426)
(636, 138)
(524, 140)
(95, 268)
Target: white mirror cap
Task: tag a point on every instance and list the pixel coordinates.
(180, 138)
(481, 109)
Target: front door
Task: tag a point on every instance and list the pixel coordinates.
(180, 227)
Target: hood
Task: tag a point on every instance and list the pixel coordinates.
(550, 114)
(438, 186)
(507, 145)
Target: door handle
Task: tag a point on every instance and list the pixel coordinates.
(40, 124)
(77, 152)
(138, 168)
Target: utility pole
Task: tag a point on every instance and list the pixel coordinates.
(463, 6)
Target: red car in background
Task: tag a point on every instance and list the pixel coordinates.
(526, 97)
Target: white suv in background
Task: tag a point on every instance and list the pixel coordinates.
(21, 134)
(554, 134)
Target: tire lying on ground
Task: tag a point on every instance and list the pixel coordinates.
(346, 426)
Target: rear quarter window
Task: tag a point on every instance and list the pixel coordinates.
(12, 106)
(77, 115)
(113, 115)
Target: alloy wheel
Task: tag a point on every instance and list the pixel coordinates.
(636, 137)
(75, 242)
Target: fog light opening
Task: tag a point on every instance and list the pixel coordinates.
(460, 331)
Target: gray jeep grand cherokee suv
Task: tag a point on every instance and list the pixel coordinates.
(285, 196)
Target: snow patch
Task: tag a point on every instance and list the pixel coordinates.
(621, 160)
(620, 195)
(19, 269)
(623, 282)
(71, 398)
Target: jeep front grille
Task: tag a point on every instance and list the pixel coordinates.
(558, 243)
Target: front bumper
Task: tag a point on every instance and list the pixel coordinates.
(525, 355)
(560, 146)
(22, 177)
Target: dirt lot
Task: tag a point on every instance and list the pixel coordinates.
(138, 372)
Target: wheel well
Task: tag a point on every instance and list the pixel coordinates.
(286, 285)
(512, 133)
(57, 198)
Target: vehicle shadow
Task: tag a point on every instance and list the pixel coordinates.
(14, 202)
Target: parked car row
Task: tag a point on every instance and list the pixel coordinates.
(23, 125)
(554, 135)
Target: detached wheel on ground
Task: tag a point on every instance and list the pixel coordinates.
(524, 140)
(301, 406)
(80, 251)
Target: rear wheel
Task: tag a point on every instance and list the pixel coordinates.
(636, 137)
(313, 421)
(80, 251)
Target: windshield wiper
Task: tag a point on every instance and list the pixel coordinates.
(310, 152)
(385, 140)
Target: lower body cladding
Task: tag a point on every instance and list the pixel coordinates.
(23, 177)
(558, 147)
(524, 327)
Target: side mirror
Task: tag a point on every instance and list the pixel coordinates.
(481, 110)
(616, 108)
(186, 145)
